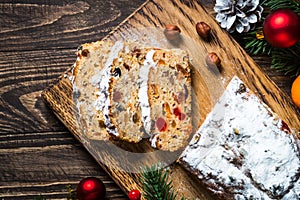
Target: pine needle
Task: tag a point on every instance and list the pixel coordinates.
(156, 184)
(287, 60)
(254, 45)
(293, 5)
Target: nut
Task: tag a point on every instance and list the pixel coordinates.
(213, 60)
(203, 29)
(172, 32)
(172, 27)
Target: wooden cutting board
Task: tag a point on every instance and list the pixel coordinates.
(208, 84)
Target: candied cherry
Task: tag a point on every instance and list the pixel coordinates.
(161, 124)
(177, 112)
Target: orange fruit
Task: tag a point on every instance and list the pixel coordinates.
(295, 91)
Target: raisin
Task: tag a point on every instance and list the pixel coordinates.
(117, 72)
(173, 124)
(85, 52)
(136, 52)
(126, 66)
(101, 124)
(135, 118)
(285, 127)
(242, 89)
(180, 68)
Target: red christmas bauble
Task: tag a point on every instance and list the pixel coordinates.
(282, 28)
(134, 195)
(90, 188)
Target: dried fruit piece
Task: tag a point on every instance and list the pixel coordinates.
(154, 90)
(161, 124)
(85, 52)
(117, 72)
(177, 112)
(167, 109)
(135, 118)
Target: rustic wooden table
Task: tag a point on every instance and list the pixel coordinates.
(38, 155)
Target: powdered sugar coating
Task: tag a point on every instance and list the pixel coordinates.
(143, 90)
(242, 149)
(103, 101)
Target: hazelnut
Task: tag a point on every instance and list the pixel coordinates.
(172, 32)
(203, 29)
(212, 59)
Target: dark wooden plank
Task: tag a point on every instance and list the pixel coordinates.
(38, 44)
(23, 76)
(38, 41)
(44, 164)
(284, 82)
(59, 24)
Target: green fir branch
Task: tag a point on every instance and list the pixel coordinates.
(254, 45)
(293, 5)
(287, 60)
(156, 184)
(257, 46)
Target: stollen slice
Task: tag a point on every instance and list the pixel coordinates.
(169, 91)
(88, 70)
(150, 96)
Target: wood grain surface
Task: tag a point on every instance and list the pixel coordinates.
(39, 156)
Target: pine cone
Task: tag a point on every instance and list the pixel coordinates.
(238, 15)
